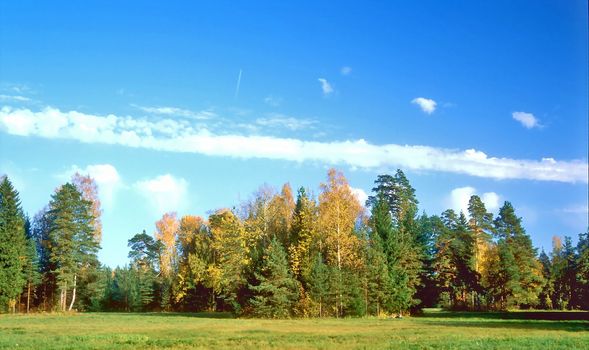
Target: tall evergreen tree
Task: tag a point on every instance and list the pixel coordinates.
(31, 264)
(522, 275)
(73, 246)
(277, 290)
(13, 246)
(583, 271)
(395, 207)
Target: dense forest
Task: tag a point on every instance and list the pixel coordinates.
(281, 254)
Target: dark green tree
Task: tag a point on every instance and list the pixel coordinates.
(318, 282)
(31, 264)
(520, 287)
(394, 209)
(277, 290)
(13, 246)
(583, 271)
(144, 254)
(73, 248)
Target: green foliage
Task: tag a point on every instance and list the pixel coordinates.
(13, 246)
(518, 267)
(73, 249)
(277, 290)
(394, 209)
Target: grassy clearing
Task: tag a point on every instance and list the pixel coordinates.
(433, 330)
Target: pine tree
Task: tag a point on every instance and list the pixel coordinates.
(277, 290)
(583, 271)
(303, 233)
(144, 254)
(378, 279)
(13, 246)
(73, 246)
(31, 264)
(523, 281)
(394, 209)
(318, 283)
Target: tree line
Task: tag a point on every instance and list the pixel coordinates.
(284, 255)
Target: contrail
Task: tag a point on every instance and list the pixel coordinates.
(238, 83)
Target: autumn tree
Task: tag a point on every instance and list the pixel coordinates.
(195, 256)
(166, 232)
(230, 258)
(338, 211)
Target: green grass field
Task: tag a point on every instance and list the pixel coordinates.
(433, 330)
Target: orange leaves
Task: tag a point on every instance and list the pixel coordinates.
(166, 232)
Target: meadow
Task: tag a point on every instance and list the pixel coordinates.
(432, 330)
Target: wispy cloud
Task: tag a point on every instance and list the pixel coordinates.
(177, 112)
(459, 197)
(526, 119)
(163, 193)
(14, 98)
(282, 121)
(273, 101)
(346, 70)
(325, 86)
(427, 105)
(181, 136)
(238, 84)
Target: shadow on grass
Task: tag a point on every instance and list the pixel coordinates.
(215, 315)
(570, 326)
(517, 315)
(540, 320)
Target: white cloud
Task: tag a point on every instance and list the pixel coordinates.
(460, 196)
(360, 194)
(273, 101)
(346, 70)
(325, 86)
(282, 121)
(427, 105)
(107, 178)
(577, 209)
(180, 136)
(526, 119)
(164, 193)
(14, 98)
(178, 112)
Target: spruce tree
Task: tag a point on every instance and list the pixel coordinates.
(394, 209)
(583, 271)
(13, 246)
(523, 283)
(318, 283)
(277, 290)
(73, 247)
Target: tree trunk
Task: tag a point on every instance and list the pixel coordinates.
(320, 307)
(73, 294)
(28, 296)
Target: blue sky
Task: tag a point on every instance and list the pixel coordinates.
(191, 107)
